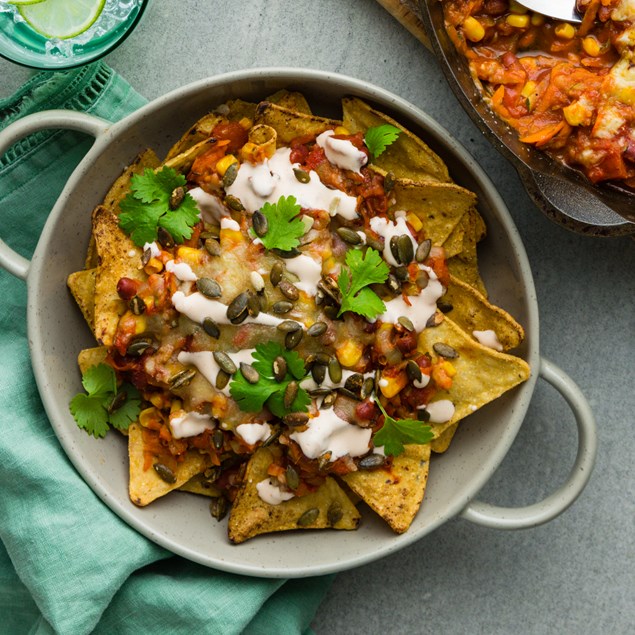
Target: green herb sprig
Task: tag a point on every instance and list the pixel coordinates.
(378, 138)
(285, 227)
(397, 432)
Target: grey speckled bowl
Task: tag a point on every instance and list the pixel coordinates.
(181, 522)
(562, 193)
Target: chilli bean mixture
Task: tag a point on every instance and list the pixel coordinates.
(567, 89)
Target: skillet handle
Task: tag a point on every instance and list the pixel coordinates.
(556, 503)
(10, 260)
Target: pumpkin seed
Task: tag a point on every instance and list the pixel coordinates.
(316, 358)
(309, 517)
(318, 372)
(276, 273)
(282, 307)
(117, 401)
(349, 235)
(401, 273)
(238, 306)
(257, 281)
(331, 311)
(218, 507)
(319, 392)
(406, 322)
(182, 378)
(165, 238)
(222, 379)
(211, 328)
(374, 243)
(423, 250)
(260, 223)
(234, 203)
(301, 175)
(316, 329)
(393, 283)
(445, 350)
(287, 253)
(329, 287)
(334, 513)
(230, 175)
(354, 383)
(289, 326)
(367, 388)
(291, 340)
(272, 437)
(422, 279)
(165, 473)
(176, 197)
(289, 290)
(218, 439)
(413, 371)
(225, 362)
(209, 287)
(394, 248)
(137, 305)
(328, 401)
(139, 346)
(145, 256)
(290, 393)
(279, 368)
(435, 319)
(335, 370)
(389, 181)
(423, 415)
(324, 460)
(212, 247)
(293, 480)
(253, 305)
(249, 373)
(444, 307)
(405, 249)
(371, 461)
(319, 297)
(295, 419)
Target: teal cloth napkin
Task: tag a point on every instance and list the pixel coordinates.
(67, 563)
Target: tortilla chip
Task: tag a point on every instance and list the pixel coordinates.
(442, 442)
(118, 257)
(201, 486)
(146, 485)
(472, 312)
(408, 157)
(91, 357)
(462, 257)
(183, 161)
(200, 131)
(290, 124)
(251, 516)
(82, 287)
(439, 206)
(482, 374)
(291, 100)
(395, 493)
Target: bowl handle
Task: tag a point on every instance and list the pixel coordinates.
(556, 503)
(10, 260)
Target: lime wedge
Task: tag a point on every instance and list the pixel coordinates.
(62, 18)
(25, 1)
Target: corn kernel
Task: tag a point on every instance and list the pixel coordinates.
(565, 31)
(537, 19)
(473, 29)
(528, 89)
(190, 255)
(579, 113)
(518, 21)
(449, 368)
(246, 123)
(149, 415)
(591, 46)
(224, 163)
(175, 406)
(341, 130)
(514, 7)
(391, 386)
(415, 221)
(349, 353)
(141, 324)
(156, 399)
(154, 265)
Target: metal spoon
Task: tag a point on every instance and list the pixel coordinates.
(559, 9)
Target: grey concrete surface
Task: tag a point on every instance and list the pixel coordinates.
(575, 574)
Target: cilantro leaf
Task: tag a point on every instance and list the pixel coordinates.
(378, 138)
(147, 207)
(267, 391)
(284, 226)
(91, 409)
(363, 270)
(397, 432)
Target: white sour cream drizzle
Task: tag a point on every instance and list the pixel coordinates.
(421, 308)
(270, 493)
(210, 207)
(341, 152)
(197, 307)
(308, 270)
(207, 365)
(440, 411)
(253, 432)
(266, 182)
(229, 223)
(488, 338)
(387, 229)
(328, 433)
(190, 425)
(155, 252)
(181, 270)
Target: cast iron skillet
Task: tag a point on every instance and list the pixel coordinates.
(562, 193)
